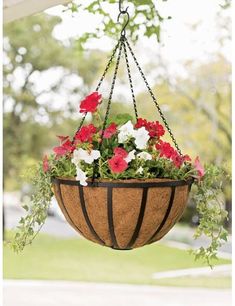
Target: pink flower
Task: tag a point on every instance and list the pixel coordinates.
(117, 164)
(45, 164)
(178, 160)
(66, 147)
(198, 166)
(110, 131)
(120, 152)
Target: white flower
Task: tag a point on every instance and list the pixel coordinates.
(87, 157)
(144, 156)
(81, 176)
(126, 131)
(141, 138)
(140, 170)
(130, 156)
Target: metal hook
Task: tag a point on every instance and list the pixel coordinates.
(123, 12)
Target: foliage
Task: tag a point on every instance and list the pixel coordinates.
(30, 225)
(30, 109)
(145, 18)
(210, 207)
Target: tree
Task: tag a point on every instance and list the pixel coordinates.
(31, 54)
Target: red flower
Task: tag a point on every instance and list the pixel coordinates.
(141, 123)
(120, 152)
(198, 166)
(85, 133)
(110, 131)
(155, 129)
(165, 149)
(117, 164)
(90, 103)
(66, 147)
(45, 164)
(177, 160)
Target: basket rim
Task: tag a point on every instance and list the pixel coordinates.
(128, 183)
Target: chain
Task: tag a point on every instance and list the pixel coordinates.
(154, 99)
(130, 80)
(101, 81)
(109, 104)
(111, 91)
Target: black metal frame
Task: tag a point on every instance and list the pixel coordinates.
(110, 185)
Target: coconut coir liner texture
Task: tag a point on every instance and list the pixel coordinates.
(126, 208)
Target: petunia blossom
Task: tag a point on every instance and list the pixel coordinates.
(125, 132)
(198, 166)
(117, 164)
(144, 156)
(120, 152)
(141, 138)
(130, 156)
(84, 155)
(81, 176)
(86, 133)
(65, 148)
(110, 131)
(90, 103)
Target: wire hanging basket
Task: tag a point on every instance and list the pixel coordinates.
(123, 214)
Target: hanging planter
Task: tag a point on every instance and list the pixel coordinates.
(122, 214)
(117, 182)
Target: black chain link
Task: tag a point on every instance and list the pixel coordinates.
(154, 99)
(130, 80)
(111, 92)
(108, 106)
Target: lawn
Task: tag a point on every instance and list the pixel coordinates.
(80, 260)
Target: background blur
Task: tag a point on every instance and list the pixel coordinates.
(49, 66)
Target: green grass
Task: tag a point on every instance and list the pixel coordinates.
(80, 260)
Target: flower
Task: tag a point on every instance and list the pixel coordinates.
(66, 147)
(198, 166)
(177, 160)
(155, 129)
(85, 133)
(141, 138)
(130, 156)
(110, 131)
(141, 123)
(165, 149)
(45, 164)
(144, 156)
(86, 156)
(140, 170)
(120, 152)
(126, 131)
(117, 164)
(81, 176)
(90, 103)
